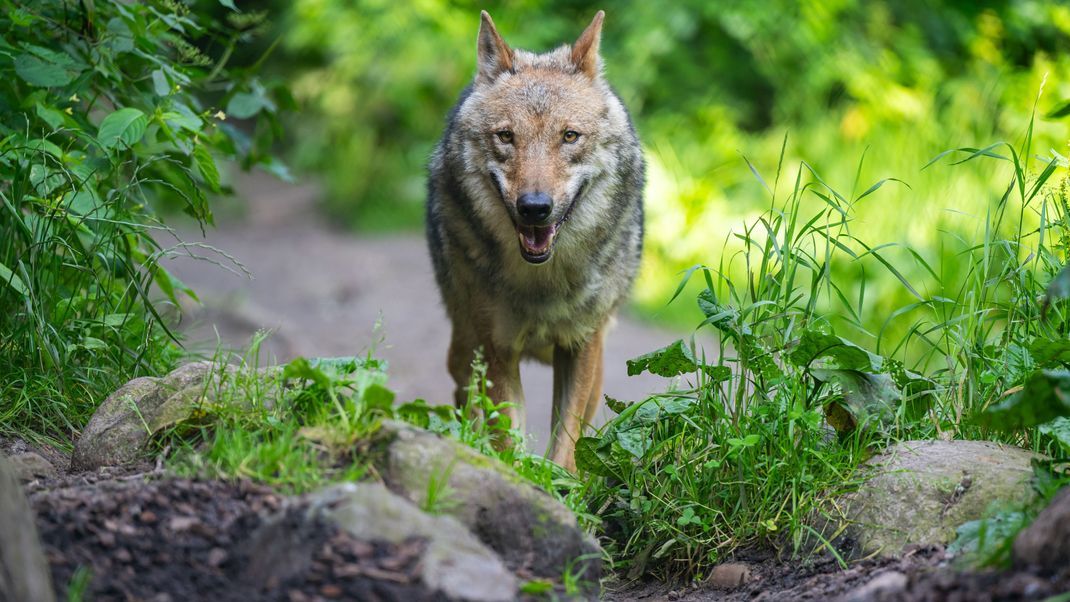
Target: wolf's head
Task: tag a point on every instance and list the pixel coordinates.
(538, 135)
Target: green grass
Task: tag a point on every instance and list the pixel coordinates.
(752, 440)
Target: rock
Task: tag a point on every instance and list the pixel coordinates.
(24, 573)
(532, 532)
(729, 575)
(883, 586)
(454, 563)
(122, 425)
(29, 466)
(1046, 543)
(919, 492)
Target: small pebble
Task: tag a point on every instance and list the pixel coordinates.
(729, 575)
(331, 591)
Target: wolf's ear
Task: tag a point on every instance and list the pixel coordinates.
(493, 55)
(585, 51)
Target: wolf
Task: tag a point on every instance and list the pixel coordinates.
(535, 223)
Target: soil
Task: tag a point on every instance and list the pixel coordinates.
(144, 535)
(927, 573)
(177, 539)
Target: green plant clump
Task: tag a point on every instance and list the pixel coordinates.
(310, 422)
(108, 109)
(750, 446)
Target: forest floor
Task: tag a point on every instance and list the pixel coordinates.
(147, 536)
(138, 534)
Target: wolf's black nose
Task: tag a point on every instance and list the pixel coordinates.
(534, 208)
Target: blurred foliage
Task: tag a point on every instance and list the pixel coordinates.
(709, 84)
(108, 110)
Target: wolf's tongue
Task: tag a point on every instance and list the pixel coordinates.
(536, 240)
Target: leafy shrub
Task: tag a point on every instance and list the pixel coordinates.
(108, 110)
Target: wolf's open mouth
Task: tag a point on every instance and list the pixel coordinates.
(537, 242)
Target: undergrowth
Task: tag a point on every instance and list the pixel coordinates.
(108, 110)
(754, 438)
(310, 422)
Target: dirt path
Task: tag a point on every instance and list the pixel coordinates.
(322, 290)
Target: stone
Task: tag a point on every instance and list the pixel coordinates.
(919, 492)
(884, 586)
(729, 575)
(122, 425)
(455, 563)
(533, 532)
(29, 466)
(1046, 543)
(24, 572)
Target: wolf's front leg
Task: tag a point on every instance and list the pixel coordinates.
(577, 390)
(503, 372)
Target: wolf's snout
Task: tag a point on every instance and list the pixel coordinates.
(534, 208)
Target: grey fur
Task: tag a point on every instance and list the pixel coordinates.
(523, 309)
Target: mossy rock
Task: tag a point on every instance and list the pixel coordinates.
(533, 532)
(121, 427)
(919, 492)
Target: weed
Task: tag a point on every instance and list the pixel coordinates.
(79, 584)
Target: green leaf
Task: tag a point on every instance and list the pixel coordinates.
(206, 166)
(160, 85)
(672, 360)
(55, 119)
(45, 68)
(244, 105)
(379, 397)
(591, 457)
(300, 368)
(12, 281)
(170, 284)
(122, 129)
(120, 38)
(1058, 288)
(870, 399)
(86, 201)
(229, 4)
(21, 17)
(814, 345)
(988, 541)
(725, 319)
(1050, 353)
(1059, 430)
(635, 441)
(1060, 111)
(616, 405)
(1018, 363)
(183, 117)
(1044, 397)
(45, 179)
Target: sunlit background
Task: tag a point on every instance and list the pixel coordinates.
(860, 91)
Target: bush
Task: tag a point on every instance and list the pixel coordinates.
(109, 110)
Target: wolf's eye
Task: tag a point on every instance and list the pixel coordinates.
(570, 136)
(505, 136)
